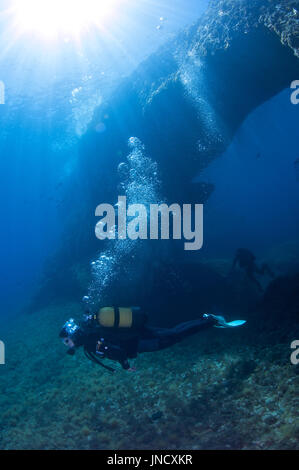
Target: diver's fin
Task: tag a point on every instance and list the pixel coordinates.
(232, 324)
(222, 323)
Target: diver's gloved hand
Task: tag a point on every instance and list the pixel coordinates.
(222, 323)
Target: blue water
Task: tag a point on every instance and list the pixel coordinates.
(257, 194)
(52, 90)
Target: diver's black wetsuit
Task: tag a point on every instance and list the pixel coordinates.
(121, 346)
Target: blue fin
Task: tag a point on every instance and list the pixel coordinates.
(235, 323)
(232, 324)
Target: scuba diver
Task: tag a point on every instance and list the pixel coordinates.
(120, 334)
(246, 261)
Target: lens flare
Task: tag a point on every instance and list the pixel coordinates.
(51, 18)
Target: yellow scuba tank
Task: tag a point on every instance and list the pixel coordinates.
(121, 317)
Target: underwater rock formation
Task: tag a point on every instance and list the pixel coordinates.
(185, 104)
(282, 298)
